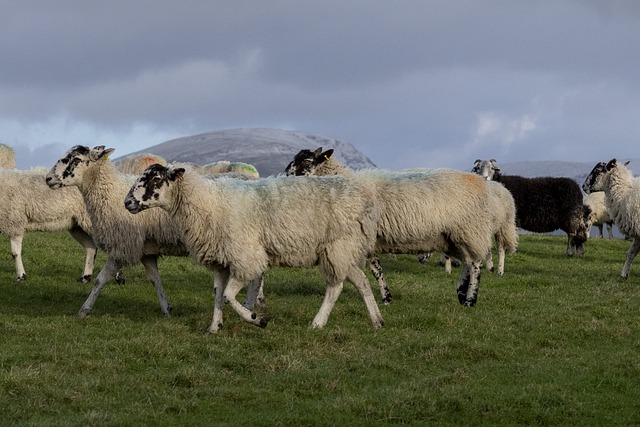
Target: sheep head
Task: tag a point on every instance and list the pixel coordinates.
(150, 189)
(69, 169)
(486, 168)
(306, 162)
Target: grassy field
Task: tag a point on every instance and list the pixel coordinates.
(556, 341)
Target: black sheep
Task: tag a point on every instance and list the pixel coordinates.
(544, 204)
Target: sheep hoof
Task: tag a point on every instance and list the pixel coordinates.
(214, 331)
(83, 313)
(85, 279)
(22, 277)
(263, 322)
(387, 299)
(470, 303)
(119, 278)
(462, 297)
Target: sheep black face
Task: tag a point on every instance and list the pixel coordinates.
(593, 181)
(306, 162)
(485, 168)
(69, 169)
(147, 192)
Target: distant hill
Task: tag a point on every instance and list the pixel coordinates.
(269, 150)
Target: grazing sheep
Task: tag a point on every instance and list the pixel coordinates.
(7, 157)
(240, 228)
(599, 215)
(134, 164)
(420, 211)
(544, 204)
(622, 197)
(126, 239)
(29, 205)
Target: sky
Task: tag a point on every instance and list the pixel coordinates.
(409, 83)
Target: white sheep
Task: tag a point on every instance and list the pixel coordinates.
(240, 228)
(7, 157)
(599, 215)
(126, 239)
(29, 205)
(622, 197)
(134, 164)
(438, 209)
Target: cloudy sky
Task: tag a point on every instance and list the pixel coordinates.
(409, 83)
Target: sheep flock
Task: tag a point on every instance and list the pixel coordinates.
(318, 212)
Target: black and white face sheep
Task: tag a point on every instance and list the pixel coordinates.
(423, 210)
(29, 205)
(126, 239)
(544, 204)
(622, 197)
(240, 228)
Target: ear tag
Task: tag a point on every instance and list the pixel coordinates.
(326, 157)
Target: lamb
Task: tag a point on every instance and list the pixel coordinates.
(240, 228)
(7, 157)
(126, 239)
(622, 197)
(415, 219)
(544, 204)
(599, 215)
(29, 205)
(134, 164)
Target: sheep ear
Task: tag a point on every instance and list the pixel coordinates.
(325, 156)
(612, 164)
(177, 173)
(627, 162)
(318, 151)
(99, 151)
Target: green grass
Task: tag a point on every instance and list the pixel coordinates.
(556, 341)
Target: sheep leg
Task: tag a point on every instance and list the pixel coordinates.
(570, 244)
(89, 245)
(230, 291)
(468, 284)
(331, 294)
(255, 294)
(489, 261)
(501, 254)
(150, 263)
(107, 273)
(610, 229)
(631, 254)
(359, 280)
(376, 270)
(16, 253)
(220, 279)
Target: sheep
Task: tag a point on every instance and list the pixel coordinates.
(544, 204)
(29, 205)
(414, 217)
(7, 157)
(317, 162)
(622, 197)
(599, 214)
(240, 228)
(126, 239)
(134, 164)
